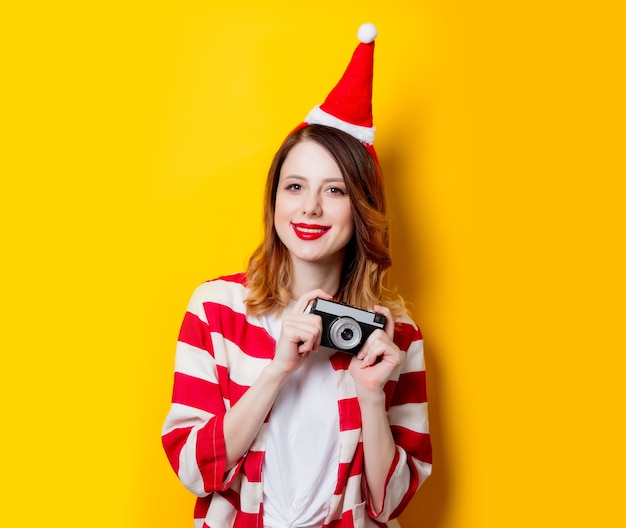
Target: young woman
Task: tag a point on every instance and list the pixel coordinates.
(268, 428)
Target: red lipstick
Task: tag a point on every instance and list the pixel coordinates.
(309, 231)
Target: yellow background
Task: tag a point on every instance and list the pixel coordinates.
(135, 141)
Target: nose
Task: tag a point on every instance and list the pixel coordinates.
(312, 206)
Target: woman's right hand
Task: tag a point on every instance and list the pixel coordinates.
(300, 335)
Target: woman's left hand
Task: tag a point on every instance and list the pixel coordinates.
(378, 359)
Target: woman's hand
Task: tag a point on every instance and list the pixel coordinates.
(371, 369)
(301, 333)
(377, 360)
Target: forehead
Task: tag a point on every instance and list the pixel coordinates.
(309, 159)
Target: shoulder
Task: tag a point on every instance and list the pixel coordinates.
(408, 337)
(228, 290)
(406, 332)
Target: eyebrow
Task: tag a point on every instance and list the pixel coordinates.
(325, 180)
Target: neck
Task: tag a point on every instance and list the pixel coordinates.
(307, 276)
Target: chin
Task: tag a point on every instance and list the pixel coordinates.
(323, 259)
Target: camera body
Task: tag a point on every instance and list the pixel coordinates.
(344, 327)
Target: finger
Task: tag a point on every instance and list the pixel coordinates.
(379, 347)
(300, 333)
(372, 357)
(370, 352)
(306, 333)
(308, 298)
(389, 324)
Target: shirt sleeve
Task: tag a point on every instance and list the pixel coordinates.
(193, 435)
(408, 418)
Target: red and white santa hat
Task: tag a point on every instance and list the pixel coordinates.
(348, 106)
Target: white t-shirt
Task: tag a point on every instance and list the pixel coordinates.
(302, 450)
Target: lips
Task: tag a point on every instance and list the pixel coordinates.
(309, 231)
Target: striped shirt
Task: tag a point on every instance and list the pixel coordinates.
(221, 351)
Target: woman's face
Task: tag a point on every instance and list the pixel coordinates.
(313, 214)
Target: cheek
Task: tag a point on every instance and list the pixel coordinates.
(283, 213)
(347, 226)
(279, 209)
(348, 220)
(350, 229)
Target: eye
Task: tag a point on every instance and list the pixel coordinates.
(293, 187)
(337, 190)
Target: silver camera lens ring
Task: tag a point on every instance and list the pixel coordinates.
(339, 328)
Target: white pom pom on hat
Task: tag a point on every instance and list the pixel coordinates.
(367, 33)
(348, 106)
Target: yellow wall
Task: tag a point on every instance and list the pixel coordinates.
(136, 136)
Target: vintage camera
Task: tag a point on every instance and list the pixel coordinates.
(345, 327)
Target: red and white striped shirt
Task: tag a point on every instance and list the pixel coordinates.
(221, 352)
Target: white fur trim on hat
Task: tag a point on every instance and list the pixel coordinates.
(317, 116)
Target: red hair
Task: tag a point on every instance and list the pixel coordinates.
(367, 258)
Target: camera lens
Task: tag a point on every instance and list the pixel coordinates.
(345, 333)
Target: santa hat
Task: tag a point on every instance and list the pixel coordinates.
(348, 106)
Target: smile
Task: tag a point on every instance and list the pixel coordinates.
(309, 231)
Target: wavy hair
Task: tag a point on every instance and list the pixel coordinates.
(367, 259)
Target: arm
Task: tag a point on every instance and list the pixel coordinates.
(204, 442)
(300, 335)
(392, 398)
(243, 421)
(379, 446)
(192, 434)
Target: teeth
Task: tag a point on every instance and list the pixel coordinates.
(309, 230)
